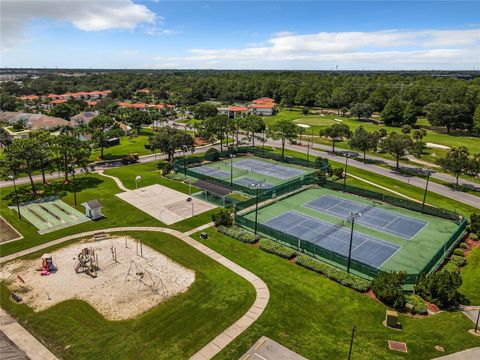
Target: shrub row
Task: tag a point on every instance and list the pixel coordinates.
(458, 260)
(419, 306)
(277, 249)
(238, 233)
(458, 252)
(450, 266)
(349, 280)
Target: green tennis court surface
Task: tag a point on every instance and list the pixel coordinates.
(249, 170)
(51, 214)
(385, 237)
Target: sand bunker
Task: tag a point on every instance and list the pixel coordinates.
(117, 292)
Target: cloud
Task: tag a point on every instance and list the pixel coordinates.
(86, 15)
(131, 52)
(391, 46)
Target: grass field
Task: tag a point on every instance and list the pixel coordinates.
(175, 329)
(128, 145)
(313, 315)
(470, 276)
(413, 254)
(318, 123)
(399, 186)
(89, 187)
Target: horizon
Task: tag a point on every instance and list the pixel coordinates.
(275, 36)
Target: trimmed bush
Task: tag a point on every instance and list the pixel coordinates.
(474, 236)
(212, 154)
(458, 252)
(340, 276)
(277, 249)
(459, 260)
(223, 217)
(440, 288)
(238, 233)
(463, 245)
(419, 306)
(388, 287)
(450, 266)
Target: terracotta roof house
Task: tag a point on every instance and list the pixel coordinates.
(34, 121)
(29, 97)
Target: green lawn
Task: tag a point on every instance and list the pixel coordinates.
(318, 122)
(470, 276)
(398, 186)
(89, 187)
(175, 329)
(128, 145)
(313, 315)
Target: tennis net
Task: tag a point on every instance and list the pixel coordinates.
(333, 229)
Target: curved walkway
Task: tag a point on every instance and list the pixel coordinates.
(229, 334)
(117, 180)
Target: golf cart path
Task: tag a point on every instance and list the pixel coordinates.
(219, 342)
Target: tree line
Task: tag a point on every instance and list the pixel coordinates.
(447, 101)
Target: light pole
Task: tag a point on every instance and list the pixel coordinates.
(353, 216)
(256, 186)
(305, 126)
(190, 200)
(184, 164)
(74, 187)
(351, 342)
(12, 178)
(137, 179)
(428, 172)
(231, 171)
(476, 323)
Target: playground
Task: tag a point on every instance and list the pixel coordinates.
(129, 278)
(50, 214)
(165, 204)
(248, 171)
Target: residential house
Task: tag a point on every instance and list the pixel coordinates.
(34, 121)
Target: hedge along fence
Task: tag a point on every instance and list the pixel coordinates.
(364, 270)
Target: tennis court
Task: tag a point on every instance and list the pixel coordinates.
(51, 214)
(250, 171)
(334, 237)
(387, 221)
(268, 168)
(311, 214)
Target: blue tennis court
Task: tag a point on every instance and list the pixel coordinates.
(383, 220)
(248, 182)
(267, 168)
(210, 171)
(336, 238)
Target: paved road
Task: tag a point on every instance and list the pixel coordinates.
(466, 198)
(436, 174)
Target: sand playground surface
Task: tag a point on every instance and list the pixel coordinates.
(123, 289)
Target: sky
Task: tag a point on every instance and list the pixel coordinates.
(284, 35)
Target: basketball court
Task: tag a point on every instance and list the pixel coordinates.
(164, 204)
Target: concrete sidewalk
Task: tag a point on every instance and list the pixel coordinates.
(33, 348)
(210, 349)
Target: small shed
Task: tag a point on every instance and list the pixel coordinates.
(93, 209)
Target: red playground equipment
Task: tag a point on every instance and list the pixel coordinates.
(47, 265)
